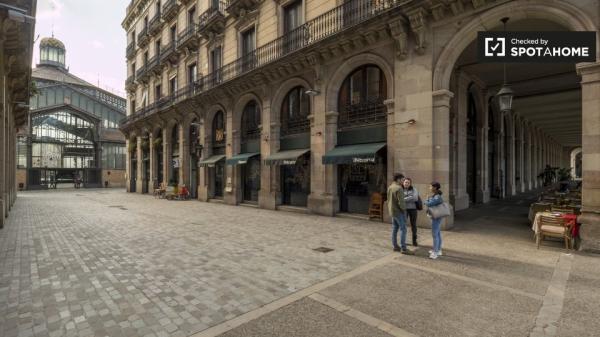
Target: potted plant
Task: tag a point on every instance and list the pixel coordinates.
(564, 178)
(548, 175)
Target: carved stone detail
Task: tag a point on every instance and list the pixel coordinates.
(398, 33)
(419, 27)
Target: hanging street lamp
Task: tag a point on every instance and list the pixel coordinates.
(505, 94)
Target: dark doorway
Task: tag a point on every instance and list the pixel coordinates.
(251, 179)
(357, 182)
(219, 174)
(295, 180)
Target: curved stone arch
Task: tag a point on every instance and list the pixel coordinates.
(239, 108)
(282, 92)
(346, 68)
(559, 12)
(573, 162)
(209, 117)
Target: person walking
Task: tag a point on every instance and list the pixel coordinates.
(435, 200)
(411, 198)
(397, 210)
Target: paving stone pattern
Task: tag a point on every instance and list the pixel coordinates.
(107, 263)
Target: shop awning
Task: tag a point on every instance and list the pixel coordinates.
(241, 158)
(212, 160)
(288, 157)
(353, 154)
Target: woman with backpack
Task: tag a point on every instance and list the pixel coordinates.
(412, 200)
(436, 211)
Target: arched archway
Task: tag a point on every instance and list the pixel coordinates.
(576, 163)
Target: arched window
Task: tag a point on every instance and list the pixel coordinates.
(294, 112)
(361, 97)
(218, 133)
(251, 121)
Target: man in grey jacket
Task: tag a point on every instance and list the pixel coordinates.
(397, 210)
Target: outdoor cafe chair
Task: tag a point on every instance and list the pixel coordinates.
(553, 226)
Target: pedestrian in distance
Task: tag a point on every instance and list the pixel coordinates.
(397, 210)
(436, 211)
(411, 198)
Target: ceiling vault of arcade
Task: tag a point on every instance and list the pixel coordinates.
(548, 95)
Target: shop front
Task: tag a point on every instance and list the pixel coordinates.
(361, 173)
(294, 166)
(216, 170)
(249, 164)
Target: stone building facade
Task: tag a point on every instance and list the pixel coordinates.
(313, 105)
(16, 48)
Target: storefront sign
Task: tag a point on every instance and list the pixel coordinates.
(288, 162)
(552, 47)
(370, 160)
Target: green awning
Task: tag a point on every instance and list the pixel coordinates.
(241, 158)
(288, 157)
(353, 154)
(211, 161)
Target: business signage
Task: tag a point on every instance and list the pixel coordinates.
(545, 46)
(370, 160)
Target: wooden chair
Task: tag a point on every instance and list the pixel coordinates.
(159, 191)
(552, 226)
(376, 206)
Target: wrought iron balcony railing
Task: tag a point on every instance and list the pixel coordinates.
(370, 112)
(187, 35)
(143, 37)
(139, 74)
(213, 19)
(168, 52)
(170, 9)
(154, 63)
(130, 53)
(235, 6)
(155, 24)
(337, 20)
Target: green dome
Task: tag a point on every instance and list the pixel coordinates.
(52, 42)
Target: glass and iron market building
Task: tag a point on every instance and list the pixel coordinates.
(73, 129)
(312, 105)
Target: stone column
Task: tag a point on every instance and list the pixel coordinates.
(203, 171)
(184, 155)
(166, 132)
(459, 144)
(528, 159)
(590, 109)
(269, 143)
(140, 166)
(481, 178)
(233, 181)
(521, 158)
(510, 156)
(440, 129)
(152, 162)
(323, 198)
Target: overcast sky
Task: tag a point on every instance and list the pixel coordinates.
(92, 33)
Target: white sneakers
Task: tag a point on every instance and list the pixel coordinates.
(433, 255)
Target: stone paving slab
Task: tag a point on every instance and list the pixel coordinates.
(305, 318)
(94, 262)
(428, 304)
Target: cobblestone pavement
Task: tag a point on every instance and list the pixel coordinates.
(107, 263)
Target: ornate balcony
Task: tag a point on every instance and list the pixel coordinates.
(169, 53)
(154, 65)
(185, 2)
(155, 25)
(130, 84)
(142, 73)
(212, 21)
(235, 7)
(188, 38)
(130, 50)
(170, 9)
(143, 37)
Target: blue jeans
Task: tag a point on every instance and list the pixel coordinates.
(399, 222)
(436, 233)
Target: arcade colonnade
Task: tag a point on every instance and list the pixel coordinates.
(421, 85)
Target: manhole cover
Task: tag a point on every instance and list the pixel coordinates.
(323, 249)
